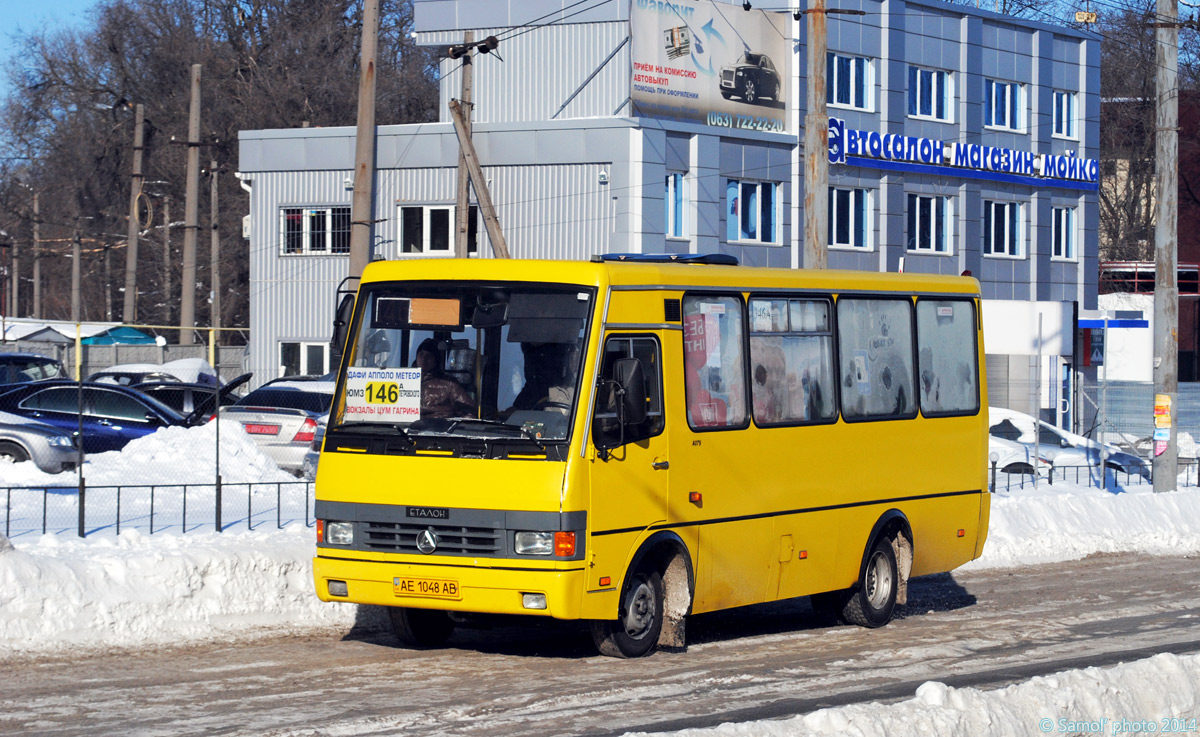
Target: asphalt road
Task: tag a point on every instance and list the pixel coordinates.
(983, 629)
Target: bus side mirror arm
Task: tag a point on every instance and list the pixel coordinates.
(341, 327)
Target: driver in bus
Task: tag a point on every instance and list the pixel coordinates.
(441, 396)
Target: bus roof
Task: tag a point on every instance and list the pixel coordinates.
(659, 275)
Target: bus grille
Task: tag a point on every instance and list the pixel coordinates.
(452, 539)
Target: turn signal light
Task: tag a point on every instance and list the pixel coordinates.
(320, 531)
(564, 544)
(962, 533)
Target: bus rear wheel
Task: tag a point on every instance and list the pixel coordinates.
(873, 599)
(420, 628)
(635, 632)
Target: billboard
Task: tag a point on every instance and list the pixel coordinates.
(709, 62)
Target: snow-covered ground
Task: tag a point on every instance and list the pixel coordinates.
(60, 593)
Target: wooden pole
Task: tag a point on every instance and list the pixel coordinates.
(191, 206)
(462, 208)
(129, 311)
(490, 221)
(362, 211)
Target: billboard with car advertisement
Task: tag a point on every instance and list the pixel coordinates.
(709, 62)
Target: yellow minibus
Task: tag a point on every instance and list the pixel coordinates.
(639, 438)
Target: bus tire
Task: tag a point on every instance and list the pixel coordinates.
(635, 632)
(873, 599)
(420, 628)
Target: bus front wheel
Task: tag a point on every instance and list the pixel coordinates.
(635, 632)
(420, 628)
(872, 601)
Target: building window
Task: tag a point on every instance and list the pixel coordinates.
(429, 230)
(298, 359)
(928, 223)
(753, 212)
(1002, 229)
(1002, 104)
(1064, 114)
(929, 93)
(676, 196)
(847, 81)
(848, 210)
(315, 230)
(1064, 233)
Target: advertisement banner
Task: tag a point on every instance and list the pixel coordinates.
(712, 63)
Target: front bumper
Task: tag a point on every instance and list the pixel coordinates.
(480, 590)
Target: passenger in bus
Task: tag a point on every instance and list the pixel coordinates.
(441, 396)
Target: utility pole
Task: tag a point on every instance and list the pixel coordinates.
(462, 207)
(166, 268)
(108, 302)
(1166, 247)
(37, 260)
(191, 207)
(76, 254)
(362, 211)
(816, 142)
(16, 278)
(215, 252)
(490, 221)
(129, 311)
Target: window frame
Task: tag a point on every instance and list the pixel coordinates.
(1014, 94)
(975, 353)
(1014, 227)
(676, 193)
(831, 333)
(1069, 229)
(916, 94)
(733, 214)
(301, 346)
(306, 213)
(630, 338)
(426, 229)
(745, 349)
(864, 71)
(867, 198)
(947, 220)
(915, 401)
(1069, 120)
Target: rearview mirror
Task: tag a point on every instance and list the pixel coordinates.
(341, 326)
(628, 374)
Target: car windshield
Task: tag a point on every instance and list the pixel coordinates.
(495, 361)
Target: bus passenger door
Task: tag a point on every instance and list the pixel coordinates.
(630, 466)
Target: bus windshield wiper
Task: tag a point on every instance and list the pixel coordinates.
(497, 423)
(394, 426)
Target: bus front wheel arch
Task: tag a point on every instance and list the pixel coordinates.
(661, 568)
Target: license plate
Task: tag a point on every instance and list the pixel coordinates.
(440, 588)
(254, 429)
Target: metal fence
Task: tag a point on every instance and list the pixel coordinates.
(156, 508)
(1113, 480)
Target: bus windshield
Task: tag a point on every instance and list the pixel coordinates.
(480, 361)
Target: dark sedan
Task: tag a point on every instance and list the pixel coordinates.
(112, 415)
(751, 77)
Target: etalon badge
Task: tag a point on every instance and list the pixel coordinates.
(427, 541)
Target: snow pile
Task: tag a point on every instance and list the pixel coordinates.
(1132, 698)
(59, 592)
(1067, 522)
(172, 455)
(132, 590)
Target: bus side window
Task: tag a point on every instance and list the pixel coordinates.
(606, 428)
(949, 371)
(875, 352)
(791, 361)
(714, 361)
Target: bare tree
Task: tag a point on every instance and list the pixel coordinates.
(66, 130)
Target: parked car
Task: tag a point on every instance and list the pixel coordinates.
(308, 467)
(282, 417)
(188, 398)
(18, 368)
(1061, 447)
(1011, 456)
(112, 415)
(186, 370)
(52, 450)
(751, 77)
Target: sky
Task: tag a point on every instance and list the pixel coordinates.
(20, 17)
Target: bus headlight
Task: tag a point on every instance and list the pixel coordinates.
(339, 533)
(535, 543)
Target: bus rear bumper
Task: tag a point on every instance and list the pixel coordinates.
(452, 588)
